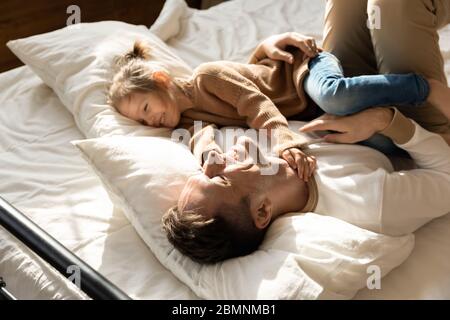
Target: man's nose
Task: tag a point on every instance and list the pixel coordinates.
(214, 165)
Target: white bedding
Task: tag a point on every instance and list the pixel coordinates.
(43, 175)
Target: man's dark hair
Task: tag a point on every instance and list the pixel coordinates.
(230, 232)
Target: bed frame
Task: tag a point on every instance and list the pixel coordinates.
(54, 253)
(23, 18)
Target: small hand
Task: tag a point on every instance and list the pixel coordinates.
(274, 46)
(304, 165)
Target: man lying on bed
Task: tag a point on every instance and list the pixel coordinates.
(224, 211)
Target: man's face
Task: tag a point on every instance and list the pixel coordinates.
(228, 178)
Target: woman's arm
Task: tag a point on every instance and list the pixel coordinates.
(274, 47)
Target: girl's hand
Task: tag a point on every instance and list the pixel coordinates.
(304, 165)
(274, 47)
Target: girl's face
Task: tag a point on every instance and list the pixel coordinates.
(151, 108)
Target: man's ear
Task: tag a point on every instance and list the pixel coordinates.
(262, 213)
(161, 78)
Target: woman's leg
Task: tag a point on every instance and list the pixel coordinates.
(336, 94)
(347, 37)
(406, 41)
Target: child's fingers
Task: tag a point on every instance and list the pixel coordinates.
(282, 55)
(311, 43)
(304, 44)
(314, 46)
(300, 164)
(307, 49)
(311, 165)
(286, 155)
(306, 169)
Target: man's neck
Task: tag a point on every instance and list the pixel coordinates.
(288, 194)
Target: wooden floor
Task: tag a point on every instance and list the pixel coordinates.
(23, 18)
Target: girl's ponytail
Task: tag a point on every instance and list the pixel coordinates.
(140, 50)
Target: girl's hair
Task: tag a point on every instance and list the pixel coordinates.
(135, 74)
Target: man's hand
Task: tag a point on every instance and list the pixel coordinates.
(351, 129)
(304, 165)
(274, 47)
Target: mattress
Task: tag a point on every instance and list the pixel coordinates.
(43, 175)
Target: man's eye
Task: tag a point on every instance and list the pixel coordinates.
(146, 107)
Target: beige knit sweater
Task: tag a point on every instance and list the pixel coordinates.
(258, 95)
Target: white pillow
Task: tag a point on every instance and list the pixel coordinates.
(77, 63)
(304, 256)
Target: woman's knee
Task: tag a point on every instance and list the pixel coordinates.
(386, 5)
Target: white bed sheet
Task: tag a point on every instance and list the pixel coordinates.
(44, 176)
(230, 31)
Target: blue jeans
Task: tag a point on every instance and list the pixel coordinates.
(335, 94)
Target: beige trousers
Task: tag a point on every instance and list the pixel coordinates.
(402, 37)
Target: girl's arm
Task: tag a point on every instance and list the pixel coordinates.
(223, 86)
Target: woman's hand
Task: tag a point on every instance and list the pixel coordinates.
(354, 128)
(304, 165)
(274, 47)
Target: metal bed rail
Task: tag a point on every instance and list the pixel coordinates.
(54, 253)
